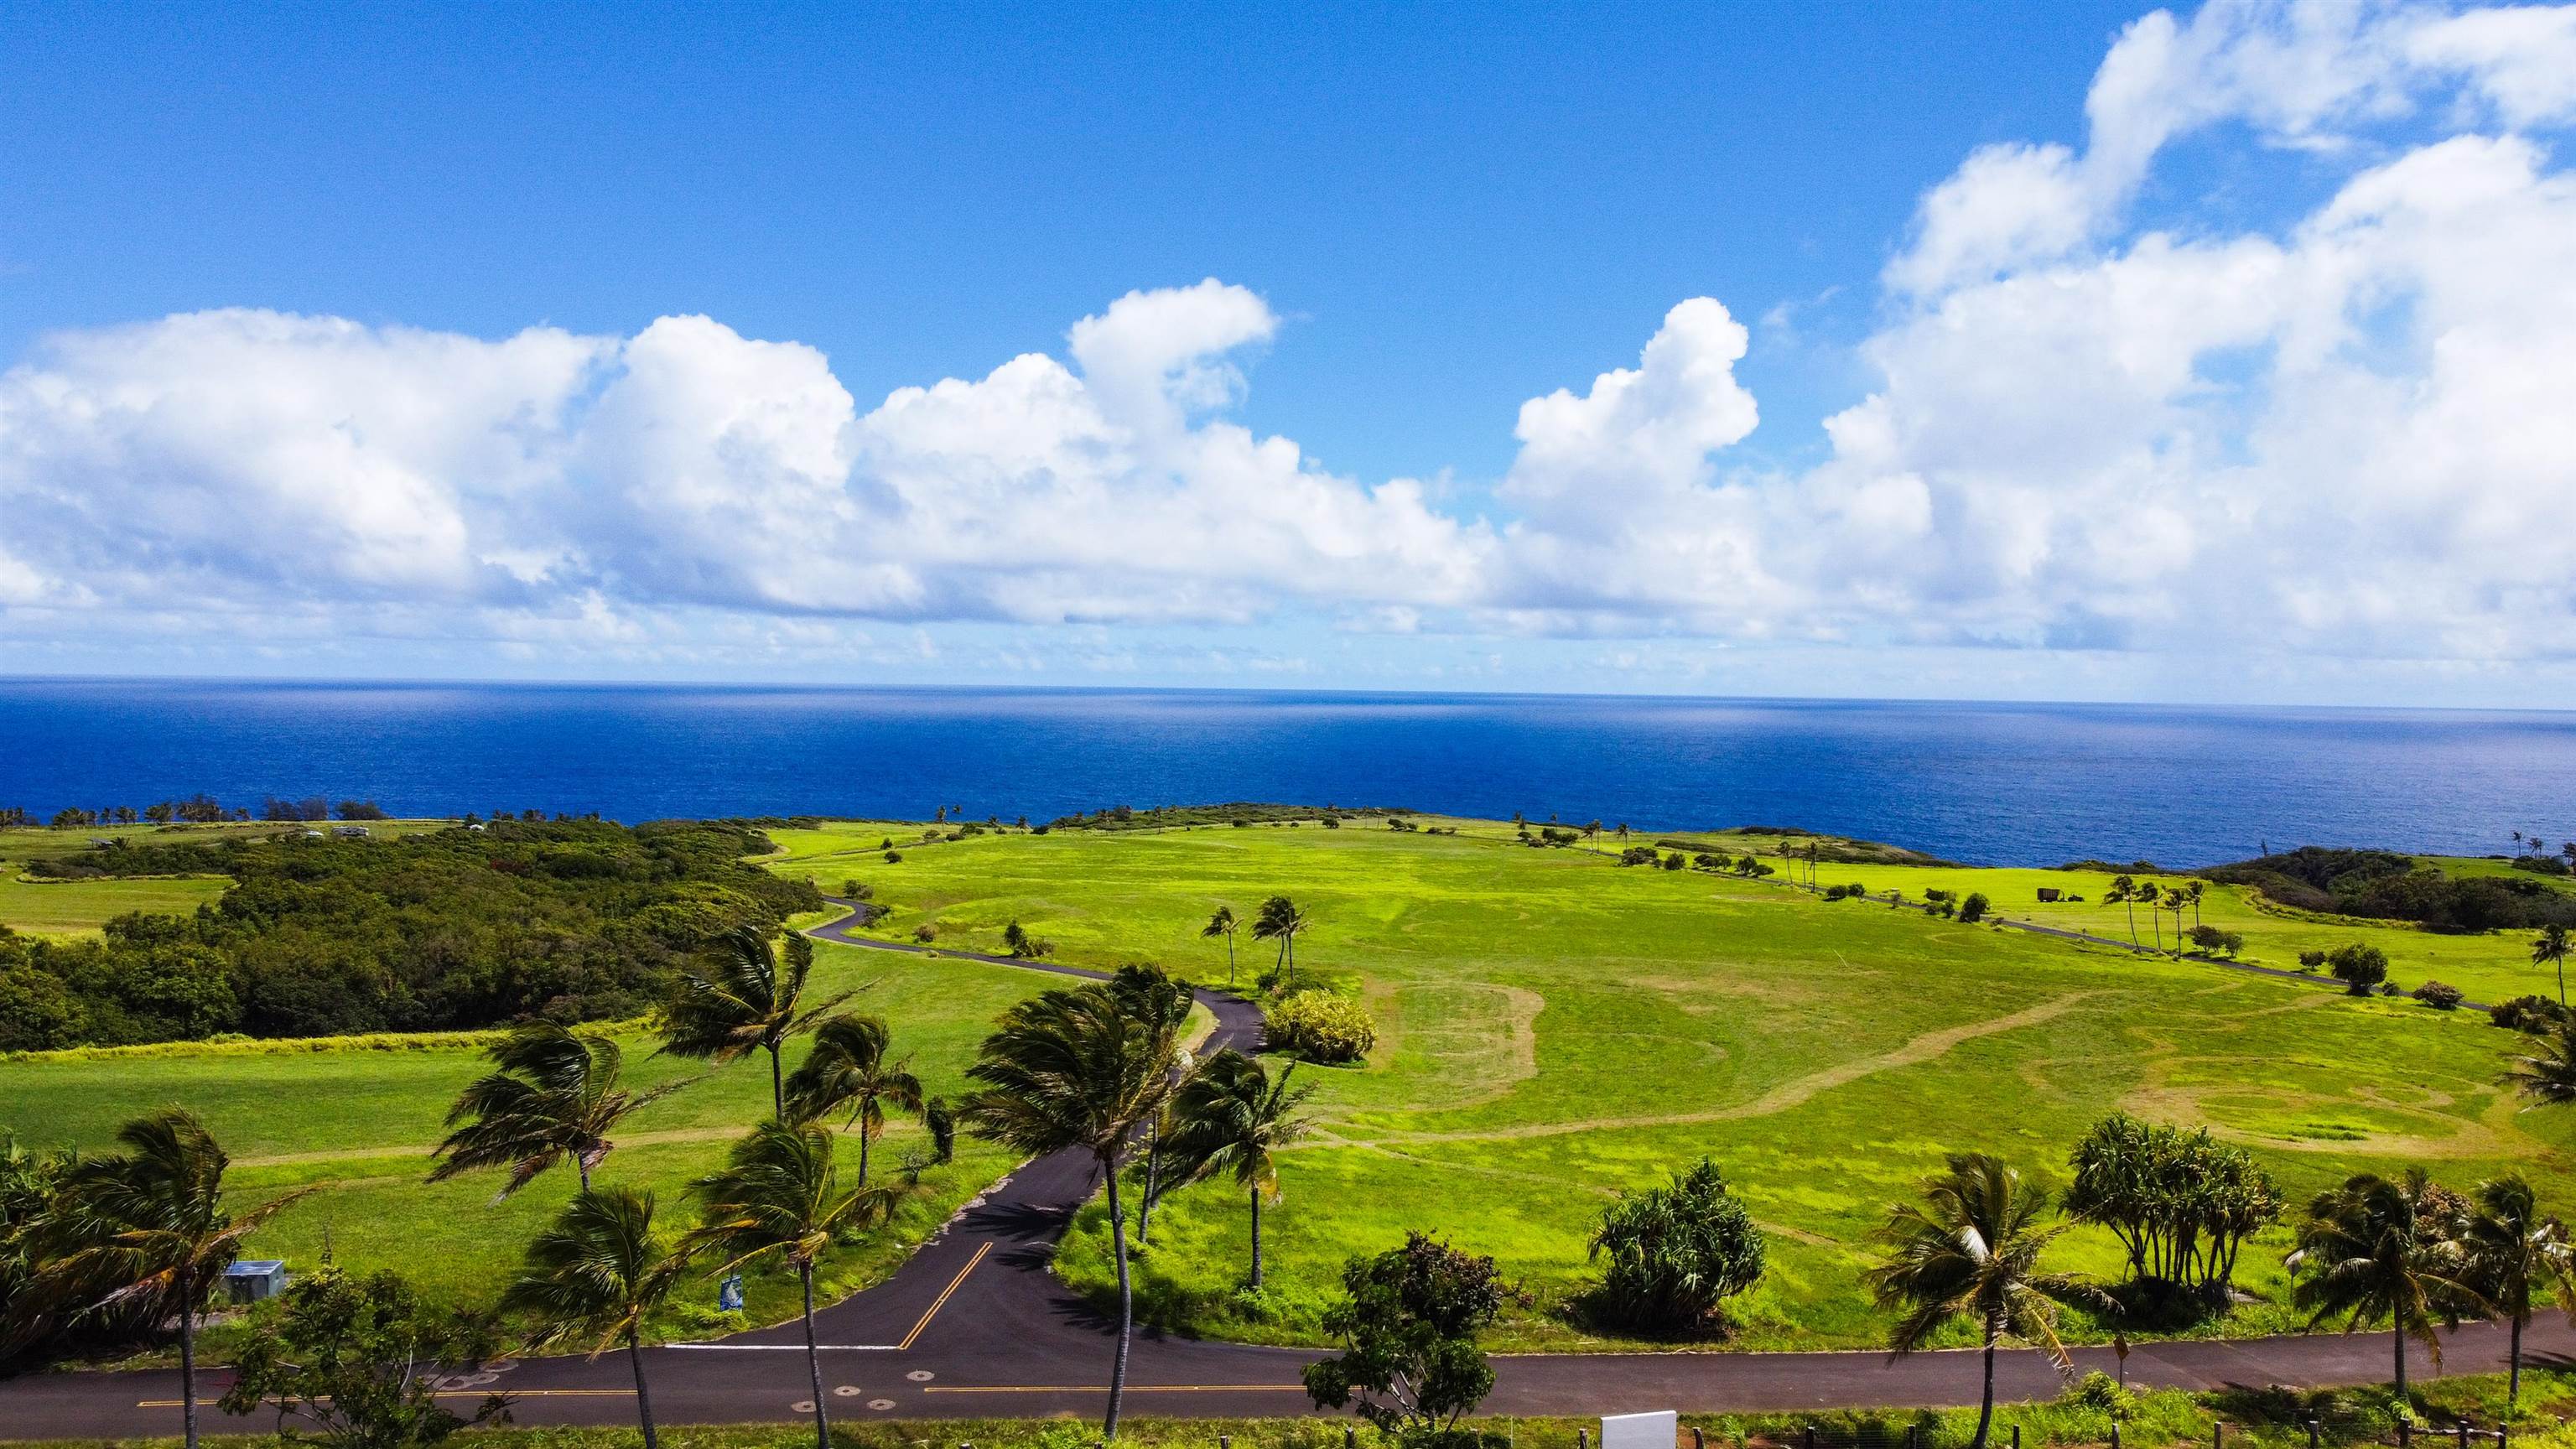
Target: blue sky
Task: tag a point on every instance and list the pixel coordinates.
(1440, 215)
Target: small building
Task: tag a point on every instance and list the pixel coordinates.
(2048, 895)
(312, 834)
(252, 1280)
(350, 832)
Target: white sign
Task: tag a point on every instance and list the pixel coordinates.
(1641, 1431)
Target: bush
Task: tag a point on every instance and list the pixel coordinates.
(1676, 1253)
(1320, 1026)
(925, 933)
(2311, 960)
(2534, 1014)
(2211, 938)
(1674, 861)
(1638, 855)
(1973, 909)
(2358, 967)
(2439, 995)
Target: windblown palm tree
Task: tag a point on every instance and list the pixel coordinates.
(1153, 997)
(779, 1196)
(146, 1228)
(1281, 921)
(2374, 1249)
(1224, 924)
(1972, 1247)
(555, 1096)
(847, 1068)
(2513, 1250)
(2124, 892)
(2547, 1077)
(593, 1276)
(1075, 1070)
(2551, 950)
(2193, 893)
(1234, 1119)
(742, 999)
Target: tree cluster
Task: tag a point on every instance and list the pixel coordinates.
(2181, 1203)
(566, 920)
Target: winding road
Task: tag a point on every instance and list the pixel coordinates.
(975, 1325)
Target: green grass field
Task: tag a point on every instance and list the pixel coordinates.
(357, 1124)
(79, 907)
(1554, 1028)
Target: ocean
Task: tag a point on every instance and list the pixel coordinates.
(2011, 784)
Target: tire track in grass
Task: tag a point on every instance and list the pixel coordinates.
(1924, 1048)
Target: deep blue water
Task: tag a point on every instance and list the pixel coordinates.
(1990, 783)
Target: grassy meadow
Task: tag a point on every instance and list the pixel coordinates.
(356, 1123)
(1554, 1028)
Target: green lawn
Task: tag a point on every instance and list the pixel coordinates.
(1554, 1028)
(357, 1124)
(78, 907)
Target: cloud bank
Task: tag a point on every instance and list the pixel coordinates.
(2351, 435)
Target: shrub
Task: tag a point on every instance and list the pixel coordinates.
(894, 857)
(1320, 1026)
(2439, 995)
(1674, 861)
(2535, 1014)
(2311, 960)
(1973, 909)
(1638, 855)
(1676, 1253)
(2358, 967)
(925, 933)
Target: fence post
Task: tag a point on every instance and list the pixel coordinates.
(1808, 1440)
(1582, 1439)
(2312, 1434)
(2405, 1427)
(1350, 1437)
(2016, 1436)
(2218, 1435)
(2464, 1434)
(2115, 1434)
(1913, 1436)
(1697, 1440)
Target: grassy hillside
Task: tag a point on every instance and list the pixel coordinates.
(1554, 1028)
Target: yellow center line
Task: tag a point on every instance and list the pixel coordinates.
(942, 1300)
(1104, 1388)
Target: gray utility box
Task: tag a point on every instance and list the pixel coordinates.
(252, 1280)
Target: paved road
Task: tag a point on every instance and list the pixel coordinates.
(974, 1325)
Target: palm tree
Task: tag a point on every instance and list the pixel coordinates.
(2152, 896)
(1972, 1247)
(1153, 997)
(2374, 1249)
(146, 1228)
(1074, 1070)
(2548, 1076)
(2512, 1249)
(2193, 893)
(847, 1067)
(1592, 833)
(745, 999)
(2124, 892)
(1224, 924)
(555, 1096)
(779, 1196)
(594, 1275)
(2551, 950)
(1234, 1119)
(1281, 921)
